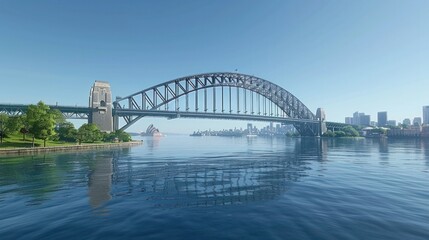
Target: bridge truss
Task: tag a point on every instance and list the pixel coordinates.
(218, 96)
(69, 112)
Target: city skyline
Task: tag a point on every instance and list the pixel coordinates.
(338, 56)
(360, 118)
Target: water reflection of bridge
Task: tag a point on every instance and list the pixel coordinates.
(207, 181)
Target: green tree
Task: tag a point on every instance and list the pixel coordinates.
(67, 132)
(118, 135)
(350, 131)
(89, 132)
(329, 133)
(58, 116)
(41, 121)
(123, 136)
(14, 124)
(340, 134)
(8, 125)
(24, 127)
(109, 137)
(3, 122)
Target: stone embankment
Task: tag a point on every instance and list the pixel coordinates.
(68, 148)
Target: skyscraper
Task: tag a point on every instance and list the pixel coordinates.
(382, 119)
(391, 123)
(356, 118)
(425, 115)
(365, 120)
(348, 120)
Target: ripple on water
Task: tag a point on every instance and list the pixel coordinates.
(221, 188)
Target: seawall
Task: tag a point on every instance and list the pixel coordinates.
(37, 150)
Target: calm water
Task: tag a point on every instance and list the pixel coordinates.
(181, 187)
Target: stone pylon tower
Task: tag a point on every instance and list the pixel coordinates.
(100, 100)
(321, 117)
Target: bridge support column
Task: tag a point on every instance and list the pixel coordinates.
(115, 122)
(100, 101)
(321, 116)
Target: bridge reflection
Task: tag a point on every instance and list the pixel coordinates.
(100, 180)
(217, 180)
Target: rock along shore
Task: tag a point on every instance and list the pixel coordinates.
(37, 150)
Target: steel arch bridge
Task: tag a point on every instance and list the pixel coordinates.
(221, 95)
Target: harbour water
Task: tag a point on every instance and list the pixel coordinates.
(182, 187)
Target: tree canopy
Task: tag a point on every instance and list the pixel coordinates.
(347, 131)
(67, 132)
(41, 121)
(89, 132)
(44, 123)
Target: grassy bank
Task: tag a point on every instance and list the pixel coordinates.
(15, 145)
(16, 141)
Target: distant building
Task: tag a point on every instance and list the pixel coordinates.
(425, 115)
(425, 131)
(406, 121)
(391, 122)
(356, 118)
(278, 128)
(365, 120)
(382, 119)
(151, 131)
(249, 128)
(417, 121)
(373, 123)
(348, 120)
(413, 132)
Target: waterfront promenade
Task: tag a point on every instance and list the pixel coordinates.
(68, 148)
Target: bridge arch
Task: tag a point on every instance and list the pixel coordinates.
(153, 98)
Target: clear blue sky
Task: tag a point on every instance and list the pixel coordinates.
(344, 56)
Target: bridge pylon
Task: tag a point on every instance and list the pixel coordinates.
(100, 101)
(321, 117)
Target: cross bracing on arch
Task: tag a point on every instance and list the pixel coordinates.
(214, 93)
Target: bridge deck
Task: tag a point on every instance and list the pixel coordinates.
(230, 116)
(71, 112)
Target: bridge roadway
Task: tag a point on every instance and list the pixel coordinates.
(69, 112)
(79, 112)
(207, 115)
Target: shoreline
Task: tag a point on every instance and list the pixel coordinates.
(68, 148)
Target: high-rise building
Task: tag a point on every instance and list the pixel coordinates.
(365, 120)
(348, 120)
(356, 118)
(382, 119)
(425, 115)
(391, 122)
